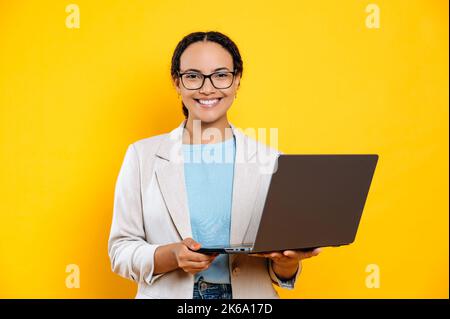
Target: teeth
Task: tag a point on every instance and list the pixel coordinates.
(208, 102)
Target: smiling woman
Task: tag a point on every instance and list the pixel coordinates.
(165, 210)
(206, 72)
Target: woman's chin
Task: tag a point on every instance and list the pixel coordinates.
(208, 117)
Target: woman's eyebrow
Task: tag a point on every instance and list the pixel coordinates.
(195, 70)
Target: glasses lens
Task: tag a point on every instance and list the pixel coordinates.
(192, 80)
(222, 80)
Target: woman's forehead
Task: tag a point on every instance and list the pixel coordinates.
(205, 57)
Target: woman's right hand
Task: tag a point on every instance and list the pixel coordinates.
(190, 261)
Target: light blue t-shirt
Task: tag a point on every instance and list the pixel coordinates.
(209, 172)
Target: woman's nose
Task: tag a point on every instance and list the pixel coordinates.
(207, 87)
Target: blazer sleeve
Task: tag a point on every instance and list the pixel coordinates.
(287, 284)
(131, 256)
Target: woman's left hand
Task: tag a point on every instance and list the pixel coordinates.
(285, 263)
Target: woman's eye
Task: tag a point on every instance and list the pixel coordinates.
(221, 75)
(192, 76)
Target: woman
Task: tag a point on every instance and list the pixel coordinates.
(170, 200)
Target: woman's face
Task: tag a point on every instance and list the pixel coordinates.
(206, 58)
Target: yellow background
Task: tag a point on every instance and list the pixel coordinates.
(73, 99)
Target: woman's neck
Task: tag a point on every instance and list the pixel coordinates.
(198, 132)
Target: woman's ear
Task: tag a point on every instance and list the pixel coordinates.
(176, 85)
(238, 81)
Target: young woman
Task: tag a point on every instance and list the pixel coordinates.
(176, 192)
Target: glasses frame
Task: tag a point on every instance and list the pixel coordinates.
(207, 76)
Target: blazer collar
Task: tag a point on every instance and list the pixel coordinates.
(170, 176)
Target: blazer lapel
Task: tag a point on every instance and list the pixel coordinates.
(171, 179)
(245, 183)
(170, 176)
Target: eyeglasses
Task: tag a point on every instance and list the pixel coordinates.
(195, 80)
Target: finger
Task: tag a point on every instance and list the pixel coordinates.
(197, 257)
(257, 255)
(261, 255)
(272, 255)
(309, 254)
(191, 244)
(291, 254)
(275, 255)
(194, 270)
(195, 265)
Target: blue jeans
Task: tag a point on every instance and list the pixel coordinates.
(207, 290)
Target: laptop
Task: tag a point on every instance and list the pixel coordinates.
(312, 201)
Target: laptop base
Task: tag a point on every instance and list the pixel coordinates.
(239, 250)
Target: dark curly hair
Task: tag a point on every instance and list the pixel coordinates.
(212, 36)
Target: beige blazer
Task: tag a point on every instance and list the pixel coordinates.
(151, 209)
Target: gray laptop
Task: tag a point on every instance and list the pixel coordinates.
(312, 201)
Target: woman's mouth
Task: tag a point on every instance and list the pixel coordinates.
(208, 103)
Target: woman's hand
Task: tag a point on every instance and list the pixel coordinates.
(285, 263)
(188, 260)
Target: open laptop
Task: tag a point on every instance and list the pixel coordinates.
(312, 201)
